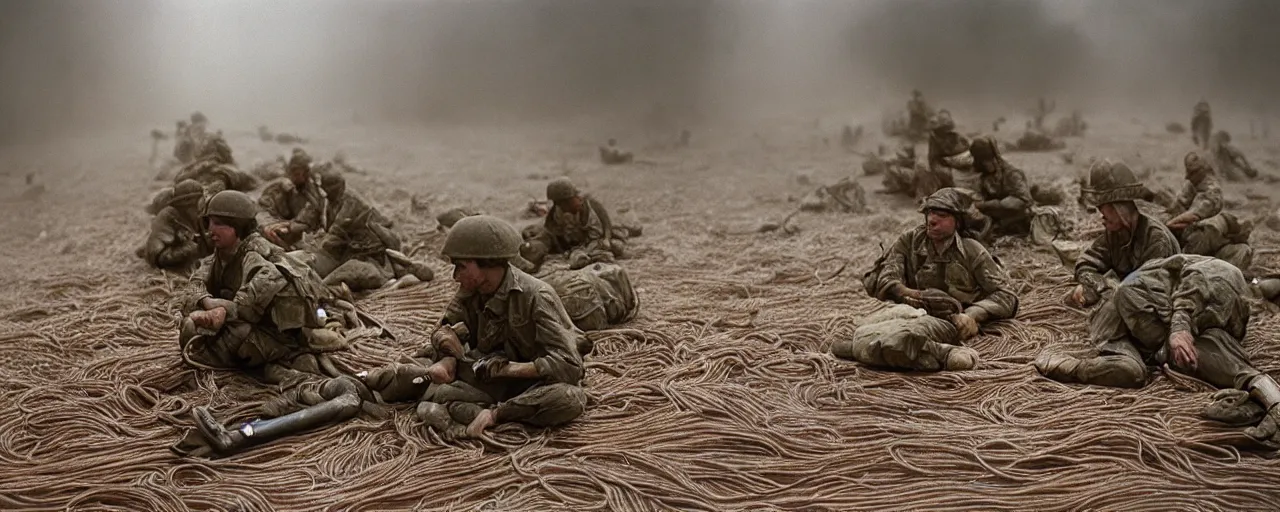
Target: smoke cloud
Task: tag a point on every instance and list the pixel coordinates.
(68, 66)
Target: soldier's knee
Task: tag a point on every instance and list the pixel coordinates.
(1120, 372)
(555, 404)
(434, 415)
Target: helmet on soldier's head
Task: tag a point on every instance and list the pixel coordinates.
(482, 237)
(231, 204)
(188, 191)
(1113, 182)
(197, 117)
(1196, 165)
(561, 189)
(942, 121)
(984, 148)
(949, 199)
(299, 158)
(333, 184)
(1222, 136)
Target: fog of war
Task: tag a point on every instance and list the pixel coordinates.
(961, 255)
(74, 66)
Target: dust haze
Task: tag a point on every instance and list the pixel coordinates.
(68, 67)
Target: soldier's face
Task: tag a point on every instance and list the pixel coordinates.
(298, 175)
(468, 275)
(571, 205)
(222, 234)
(940, 225)
(1111, 218)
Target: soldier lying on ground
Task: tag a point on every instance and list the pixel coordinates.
(938, 267)
(1189, 312)
(1228, 160)
(612, 155)
(215, 169)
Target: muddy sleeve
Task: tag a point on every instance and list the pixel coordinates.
(894, 268)
(309, 218)
(456, 312)
(1207, 202)
(554, 331)
(198, 289)
(1189, 294)
(998, 302)
(260, 287)
(182, 250)
(596, 234)
(1018, 194)
(270, 207)
(341, 229)
(1093, 264)
(1160, 244)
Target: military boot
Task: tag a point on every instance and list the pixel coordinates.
(1059, 367)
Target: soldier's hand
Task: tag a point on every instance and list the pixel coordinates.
(1076, 298)
(1183, 346)
(274, 231)
(490, 367)
(1182, 221)
(967, 326)
(211, 319)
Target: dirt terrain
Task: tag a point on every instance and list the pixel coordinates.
(719, 396)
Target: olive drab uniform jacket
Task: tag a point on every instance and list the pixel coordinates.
(589, 229)
(1122, 253)
(525, 321)
(212, 175)
(1203, 199)
(357, 230)
(965, 270)
(303, 207)
(273, 293)
(176, 240)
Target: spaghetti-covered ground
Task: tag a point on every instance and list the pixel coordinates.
(720, 395)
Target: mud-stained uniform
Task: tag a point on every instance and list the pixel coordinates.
(214, 176)
(587, 236)
(276, 300)
(177, 240)
(597, 296)
(1006, 198)
(1230, 162)
(1121, 253)
(1199, 294)
(948, 156)
(281, 201)
(525, 322)
(964, 270)
(354, 247)
(1217, 233)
